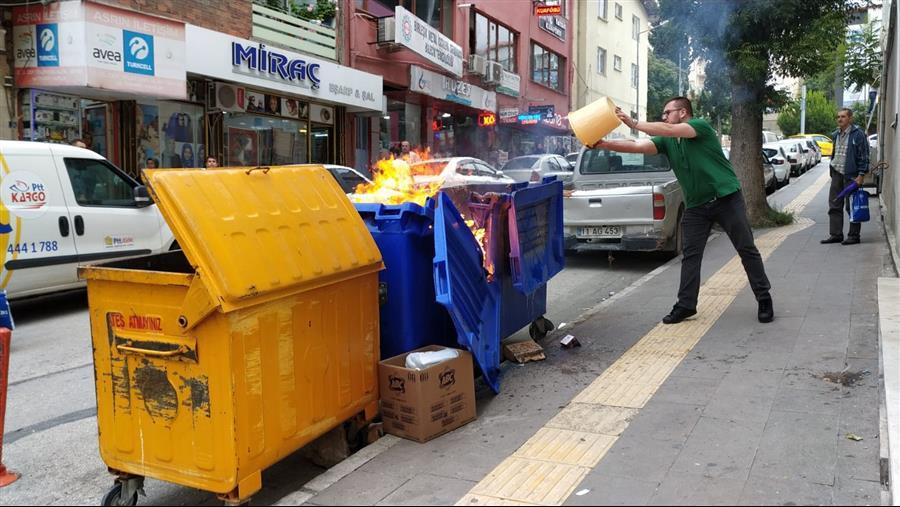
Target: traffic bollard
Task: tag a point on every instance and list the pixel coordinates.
(6, 477)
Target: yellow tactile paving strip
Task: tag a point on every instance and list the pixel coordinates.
(553, 462)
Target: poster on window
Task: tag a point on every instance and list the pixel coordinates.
(242, 147)
(255, 102)
(148, 145)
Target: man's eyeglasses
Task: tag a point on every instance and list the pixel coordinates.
(665, 113)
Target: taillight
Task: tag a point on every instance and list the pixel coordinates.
(659, 207)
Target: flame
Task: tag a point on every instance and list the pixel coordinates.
(394, 182)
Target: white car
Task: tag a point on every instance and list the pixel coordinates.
(795, 155)
(347, 177)
(457, 172)
(69, 207)
(532, 168)
(779, 162)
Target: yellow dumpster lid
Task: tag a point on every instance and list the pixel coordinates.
(257, 234)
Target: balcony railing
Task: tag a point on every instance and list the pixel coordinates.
(291, 32)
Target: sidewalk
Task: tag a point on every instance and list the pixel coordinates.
(717, 410)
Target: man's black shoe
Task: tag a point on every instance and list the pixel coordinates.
(850, 241)
(831, 239)
(677, 315)
(766, 310)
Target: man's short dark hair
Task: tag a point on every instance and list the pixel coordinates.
(682, 102)
(849, 111)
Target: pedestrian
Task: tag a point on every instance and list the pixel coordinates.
(712, 194)
(211, 162)
(408, 155)
(396, 152)
(78, 143)
(850, 162)
(152, 163)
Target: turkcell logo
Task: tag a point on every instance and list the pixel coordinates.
(138, 52)
(48, 45)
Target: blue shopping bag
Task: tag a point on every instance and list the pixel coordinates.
(859, 206)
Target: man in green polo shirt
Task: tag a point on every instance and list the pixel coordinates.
(712, 194)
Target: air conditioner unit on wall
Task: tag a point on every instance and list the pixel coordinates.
(386, 31)
(493, 73)
(477, 64)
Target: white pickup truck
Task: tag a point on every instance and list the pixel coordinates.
(63, 207)
(623, 201)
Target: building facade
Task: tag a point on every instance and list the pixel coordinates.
(169, 83)
(888, 134)
(473, 78)
(612, 48)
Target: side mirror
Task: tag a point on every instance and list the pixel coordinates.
(142, 196)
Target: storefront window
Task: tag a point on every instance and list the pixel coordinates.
(402, 123)
(493, 41)
(170, 134)
(321, 144)
(253, 140)
(545, 67)
(93, 131)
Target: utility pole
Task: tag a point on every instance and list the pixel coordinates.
(803, 109)
(679, 72)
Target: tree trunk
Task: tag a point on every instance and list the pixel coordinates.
(746, 145)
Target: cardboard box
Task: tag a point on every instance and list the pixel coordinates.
(424, 404)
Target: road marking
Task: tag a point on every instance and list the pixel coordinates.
(552, 463)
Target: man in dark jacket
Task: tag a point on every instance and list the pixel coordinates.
(849, 162)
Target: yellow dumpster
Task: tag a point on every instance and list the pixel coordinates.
(215, 362)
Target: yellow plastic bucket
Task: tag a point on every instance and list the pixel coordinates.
(592, 122)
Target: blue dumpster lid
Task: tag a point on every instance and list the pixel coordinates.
(536, 243)
(461, 286)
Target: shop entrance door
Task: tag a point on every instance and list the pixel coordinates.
(322, 151)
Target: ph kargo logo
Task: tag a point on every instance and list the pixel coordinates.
(138, 49)
(24, 194)
(48, 45)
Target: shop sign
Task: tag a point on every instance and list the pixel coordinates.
(423, 39)
(510, 84)
(547, 10)
(221, 56)
(487, 119)
(529, 119)
(509, 114)
(453, 90)
(554, 120)
(271, 62)
(556, 25)
(99, 47)
(546, 112)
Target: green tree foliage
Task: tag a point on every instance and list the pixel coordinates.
(756, 40)
(863, 58)
(662, 84)
(820, 113)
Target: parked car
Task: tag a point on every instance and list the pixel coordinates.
(347, 177)
(824, 142)
(768, 170)
(623, 201)
(796, 155)
(816, 150)
(69, 207)
(535, 167)
(572, 158)
(779, 163)
(457, 172)
(769, 137)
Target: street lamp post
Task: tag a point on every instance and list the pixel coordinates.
(637, 70)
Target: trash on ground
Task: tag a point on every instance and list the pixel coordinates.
(845, 378)
(562, 325)
(524, 352)
(423, 360)
(569, 342)
(582, 492)
(854, 437)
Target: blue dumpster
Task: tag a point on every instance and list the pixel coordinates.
(441, 288)
(411, 318)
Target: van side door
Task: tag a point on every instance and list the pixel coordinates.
(37, 244)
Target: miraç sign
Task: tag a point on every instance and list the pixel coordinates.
(547, 10)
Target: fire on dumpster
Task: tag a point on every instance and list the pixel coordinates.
(394, 182)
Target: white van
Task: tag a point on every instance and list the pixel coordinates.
(62, 207)
(769, 137)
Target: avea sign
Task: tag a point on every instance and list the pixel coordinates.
(266, 61)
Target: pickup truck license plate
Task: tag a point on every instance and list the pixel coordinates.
(601, 231)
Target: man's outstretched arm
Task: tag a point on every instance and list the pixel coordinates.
(644, 146)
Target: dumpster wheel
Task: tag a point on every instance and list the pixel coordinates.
(114, 496)
(539, 328)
